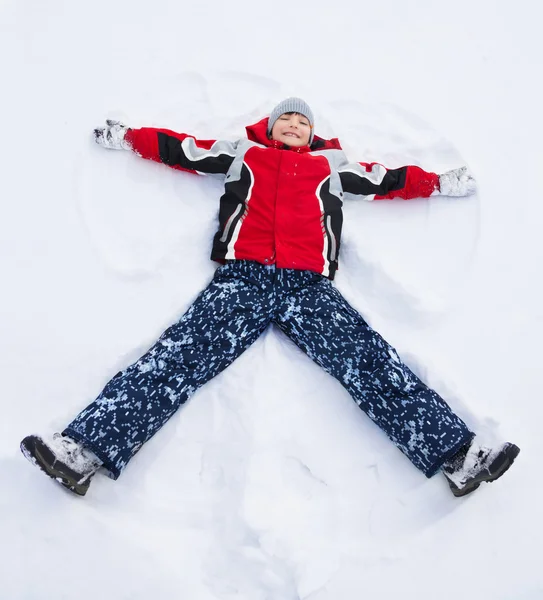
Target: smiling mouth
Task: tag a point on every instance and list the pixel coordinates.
(290, 134)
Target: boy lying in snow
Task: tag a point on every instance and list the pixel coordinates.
(278, 242)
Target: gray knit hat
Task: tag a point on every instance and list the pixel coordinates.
(296, 105)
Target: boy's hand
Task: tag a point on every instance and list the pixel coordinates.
(458, 182)
(112, 136)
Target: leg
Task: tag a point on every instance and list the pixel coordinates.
(225, 319)
(337, 338)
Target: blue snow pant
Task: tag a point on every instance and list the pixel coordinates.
(243, 298)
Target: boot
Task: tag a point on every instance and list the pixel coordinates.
(474, 464)
(63, 459)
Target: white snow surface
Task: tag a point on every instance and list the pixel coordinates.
(270, 484)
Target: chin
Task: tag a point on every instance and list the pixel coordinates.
(290, 141)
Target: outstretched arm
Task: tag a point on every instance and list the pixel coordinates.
(177, 150)
(373, 181)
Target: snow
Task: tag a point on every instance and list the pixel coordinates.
(270, 483)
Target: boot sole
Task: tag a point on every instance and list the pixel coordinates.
(497, 468)
(37, 452)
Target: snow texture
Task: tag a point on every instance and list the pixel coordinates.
(270, 483)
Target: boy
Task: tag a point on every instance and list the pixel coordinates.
(278, 241)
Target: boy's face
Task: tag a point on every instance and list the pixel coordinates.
(292, 129)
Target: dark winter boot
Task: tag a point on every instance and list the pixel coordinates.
(475, 464)
(63, 459)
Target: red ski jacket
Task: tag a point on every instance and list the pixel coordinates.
(281, 205)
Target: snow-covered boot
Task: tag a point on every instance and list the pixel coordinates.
(474, 464)
(63, 459)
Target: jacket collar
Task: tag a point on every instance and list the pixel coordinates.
(259, 133)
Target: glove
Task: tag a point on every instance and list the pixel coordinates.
(458, 182)
(112, 136)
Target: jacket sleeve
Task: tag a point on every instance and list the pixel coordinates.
(182, 151)
(372, 181)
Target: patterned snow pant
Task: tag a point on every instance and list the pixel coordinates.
(243, 298)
